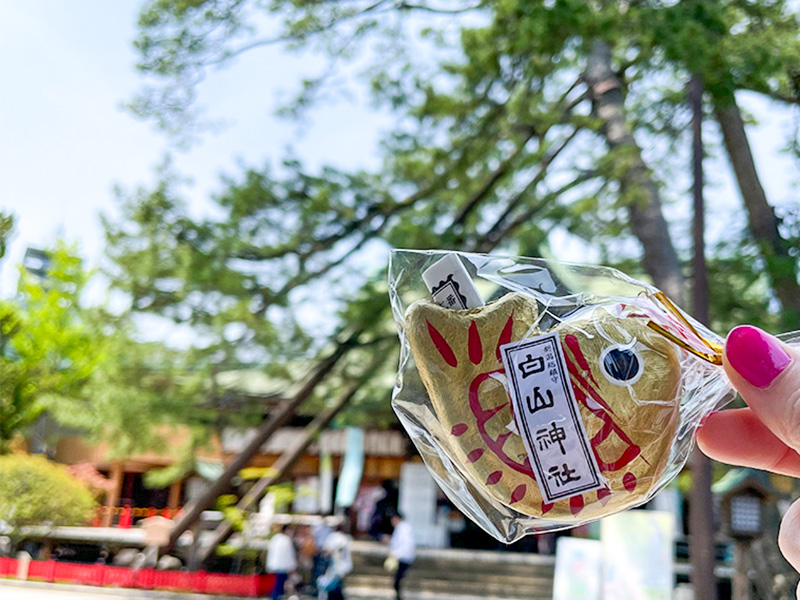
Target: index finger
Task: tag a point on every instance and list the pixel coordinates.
(738, 437)
(766, 372)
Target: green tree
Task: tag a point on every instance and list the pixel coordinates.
(261, 286)
(35, 491)
(48, 348)
(83, 367)
(137, 397)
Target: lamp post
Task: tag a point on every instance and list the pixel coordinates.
(37, 262)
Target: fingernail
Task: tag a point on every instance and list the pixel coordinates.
(756, 355)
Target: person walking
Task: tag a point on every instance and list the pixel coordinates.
(281, 559)
(336, 550)
(401, 548)
(381, 523)
(306, 550)
(321, 531)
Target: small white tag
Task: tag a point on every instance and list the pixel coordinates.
(548, 418)
(450, 284)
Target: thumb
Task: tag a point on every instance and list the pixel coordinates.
(788, 538)
(766, 372)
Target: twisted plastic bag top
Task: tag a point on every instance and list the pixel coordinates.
(543, 395)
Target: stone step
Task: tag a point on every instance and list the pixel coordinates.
(465, 564)
(498, 589)
(368, 548)
(461, 571)
(451, 578)
(356, 593)
(454, 574)
(425, 578)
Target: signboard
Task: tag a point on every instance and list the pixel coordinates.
(638, 551)
(417, 504)
(578, 569)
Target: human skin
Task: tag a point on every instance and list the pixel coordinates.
(766, 434)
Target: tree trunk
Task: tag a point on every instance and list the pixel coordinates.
(701, 515)
(279, 471)
(637, 186)
(270, 425)
(781, 267)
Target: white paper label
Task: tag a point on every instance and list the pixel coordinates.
(548, 418)
(450, 284)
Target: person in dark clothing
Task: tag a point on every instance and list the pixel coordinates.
(381, 524)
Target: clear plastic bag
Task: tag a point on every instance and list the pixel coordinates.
(544, 395)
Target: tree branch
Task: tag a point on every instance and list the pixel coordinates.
(497, 235)
(531, 185)
(489, 184)
(285, 462)
(300, 280)
(264, 432)
(440, 11)
(472, 203)
(228, 55)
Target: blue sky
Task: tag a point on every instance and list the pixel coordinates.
(66, 68)
(65, 141)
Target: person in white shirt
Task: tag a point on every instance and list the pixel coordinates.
(281, 559)
(401, 547)
(336, 549)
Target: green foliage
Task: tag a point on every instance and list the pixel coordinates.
(256, 283)
(48, 347)
(35, 491)
(739, 289)
(83, 367)
(284, 496)
(243, 554)
(6, 229)
(235, 516)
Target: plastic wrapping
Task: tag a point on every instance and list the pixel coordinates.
(544, 395)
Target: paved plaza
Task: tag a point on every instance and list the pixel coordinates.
(13, 590)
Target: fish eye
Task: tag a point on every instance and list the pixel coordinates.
(621, 365)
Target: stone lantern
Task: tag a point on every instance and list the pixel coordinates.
(743, 494)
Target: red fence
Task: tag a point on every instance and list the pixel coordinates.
(146, 579)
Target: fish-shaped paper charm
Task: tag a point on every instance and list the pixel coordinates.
(625, 378)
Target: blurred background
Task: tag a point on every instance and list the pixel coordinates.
(199, 201)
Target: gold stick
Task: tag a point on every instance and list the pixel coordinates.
(715, 354)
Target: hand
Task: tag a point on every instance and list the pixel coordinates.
(766, 435)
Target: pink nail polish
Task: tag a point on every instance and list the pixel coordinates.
(756, 355)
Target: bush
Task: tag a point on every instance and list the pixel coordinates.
(34, 490)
